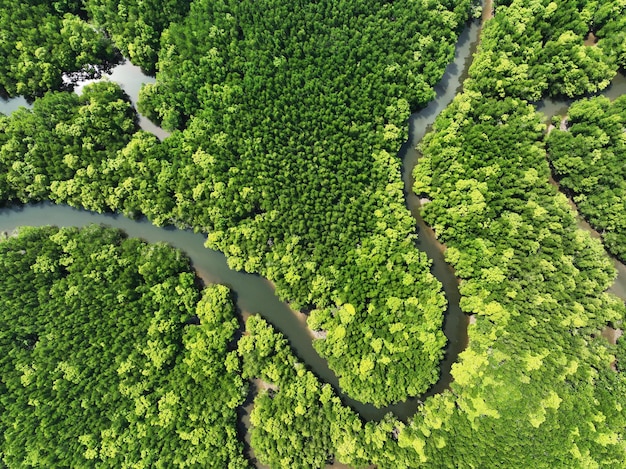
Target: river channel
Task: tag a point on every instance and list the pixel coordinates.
(254, 294)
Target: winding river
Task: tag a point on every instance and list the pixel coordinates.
(254, 294)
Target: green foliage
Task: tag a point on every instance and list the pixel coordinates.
(298, 422)
(99, 365)
(533, 48)
(292, 413)
(610, 27)
(41, 41)
(588, 160)
(291, 115)
(54, 150)
(273, 49)
(292, 112)
(136, 26)
(535, 379)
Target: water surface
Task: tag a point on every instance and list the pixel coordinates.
(559, 107)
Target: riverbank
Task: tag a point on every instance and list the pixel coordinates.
(455, 319)
(290, 323)
(128, 76)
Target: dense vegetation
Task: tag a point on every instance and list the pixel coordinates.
(588, 160)
(291, 418)
(293, 112)
(536, 48)
(609, 25)
(299, 422)
(52, 151)
(40, 41)
(90, 157)
(136, 26)
(290, 114)
(533, 371)
(537, 377)
(49, 45)
(99, 362)
(293, 115)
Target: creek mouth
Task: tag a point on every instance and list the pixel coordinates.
(255, 294)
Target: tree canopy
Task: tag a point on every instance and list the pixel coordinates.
(100, 363)
(537, 376)
(287, 116)
(45, 45)
(292, 117)
(135, 26)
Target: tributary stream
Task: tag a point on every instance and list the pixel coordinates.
(553, 107)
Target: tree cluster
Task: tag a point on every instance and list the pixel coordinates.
(537, 378)
(293, 115)
(298, 422)
(290, 114)
(135, 26)
(535, 367)
(47, 45)
(53, 151)
(609, 26)
(535, 47)
(101, 363)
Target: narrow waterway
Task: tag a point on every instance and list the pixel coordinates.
(559, 107)
(128, 76)
(252, 293)
(455, 321)
(553, 107)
